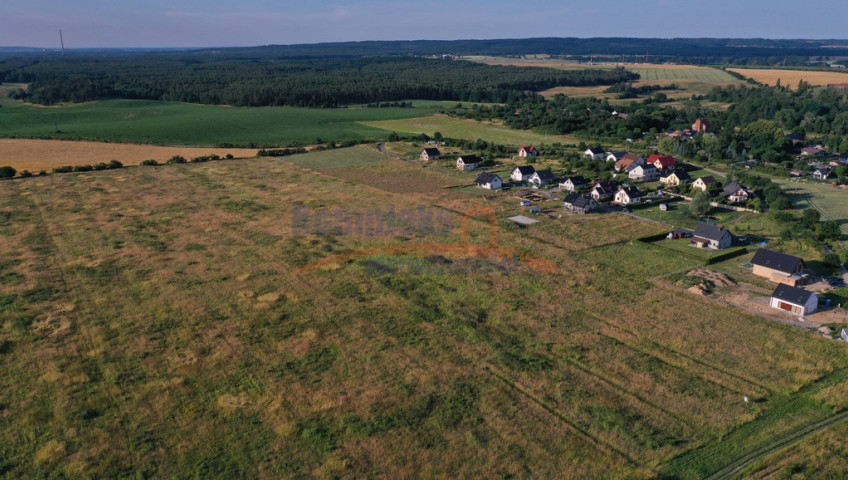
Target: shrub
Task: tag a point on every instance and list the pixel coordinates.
(83, 168)
(26, 174)
(63, 169)
(150, 163)
(100, 166)
(229, 156)
(113, 164)
(7, 172)
(177, 159)
(42, 173)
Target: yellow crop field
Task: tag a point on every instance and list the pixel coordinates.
(790, 78)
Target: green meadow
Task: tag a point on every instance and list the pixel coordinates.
(168, 123)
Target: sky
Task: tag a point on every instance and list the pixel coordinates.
(218, 23)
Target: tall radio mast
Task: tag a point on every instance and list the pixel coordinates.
(62, 41)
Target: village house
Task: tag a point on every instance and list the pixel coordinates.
(571, 184)
(577, 203)
(812, 151)
(522, 173)
(429, 154)
(704, 183)
(675, 178)
(793, 299)
(627, 162)
(643, 173)
(736, 192)
(595, 153)
(489, 181)
(527, 151)
(779, 267)
(711, 237)
(603, 189)
(468, 162)
(701, 126)
(662, 162)
(615, 156)
(822, 173)
(541, 178)
(627, 196)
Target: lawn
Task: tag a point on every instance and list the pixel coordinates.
(831, 201)
(170, 123)
(153, 323)
(468, 130)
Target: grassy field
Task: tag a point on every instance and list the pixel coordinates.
(831, 201)
(153, 325)
(168, 123)
(790, 78)
(468, 130)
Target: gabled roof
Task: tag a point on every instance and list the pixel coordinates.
(665, 161)
(577, 180)
(681, 175)
(607, 186)
(708, 180)
(432, 151)
(776, 260)
(525, 169)
(825, 171)
(545, 174)
(645, 167)
(617, 155)
(570, 198)
(812, 150)
(710, 232)
(632, 192)
(794, 295)
(732, 188)
(486, 177)
(470, 159)
(596, 150)
(528, 148)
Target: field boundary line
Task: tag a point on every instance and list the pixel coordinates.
(556, 413)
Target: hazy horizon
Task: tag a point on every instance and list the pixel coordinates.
(196, 24)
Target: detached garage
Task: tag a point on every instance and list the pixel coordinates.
(795, 300)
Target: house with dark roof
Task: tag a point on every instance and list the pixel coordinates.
(615, 156)
(643, 172)
(571, 184)
(675, 178)
(779, 267)
(489, 181)
(794, 300)
(627, 196)
(429, 154)
(527, 151)
(603, 189)
(736, 192)
(582, 204)
(822, 173)
(542, 177)
(711, 237)
(468, 162)
(595, 153)
(522, 173)
(704, 183)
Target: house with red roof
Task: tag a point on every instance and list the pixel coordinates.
(662, 162)
(527, 151)
(702, 126)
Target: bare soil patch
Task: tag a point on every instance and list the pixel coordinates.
(37, 155)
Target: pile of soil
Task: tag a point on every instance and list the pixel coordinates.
(711, 276)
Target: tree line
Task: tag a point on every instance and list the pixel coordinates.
(325, 82)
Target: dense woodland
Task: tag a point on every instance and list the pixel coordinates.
(273, 82)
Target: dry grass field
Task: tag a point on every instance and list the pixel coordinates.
(152, 323)
(790, 78)
(37, 155)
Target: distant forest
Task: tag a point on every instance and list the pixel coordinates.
(211, 78)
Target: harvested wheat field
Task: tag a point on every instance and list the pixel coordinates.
(790, 78)
(37, 155)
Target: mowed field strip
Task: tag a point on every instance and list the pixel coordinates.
(790, 78)
(37, 155)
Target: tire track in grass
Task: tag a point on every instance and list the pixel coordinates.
(735, 467)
